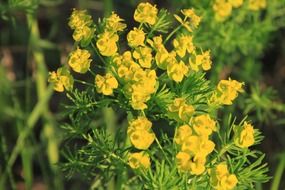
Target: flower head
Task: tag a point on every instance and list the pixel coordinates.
(220, 178)
(107, 43)
(182, 44)
(139, 160)
(146, 13)
(106, 84)
(79, 18)
(244, 137)
(61, 79)
(136, 37)
(79, 60)
(177, 71)
(114, 23)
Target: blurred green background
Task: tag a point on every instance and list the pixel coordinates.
(35, 39)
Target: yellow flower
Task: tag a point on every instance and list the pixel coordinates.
(139, 133)
(194, 19)
(183, 161)
(114, 23)
(136, 37)
(156, 42)
(190, 21)
(106, 84)
(177, 103)
(185, 112)
(195, 164)
(139, 160)
(236, 3)
(182, 44)
(143, 55)
(141, 123)
(203, 61)
(244, 137)
(79, 18)
(141, 139)
(229, 182)
(79, 60)
(182, 132)
(221, 179)
(84, 33)
(180, 109)
(164, 59)
(197, 144)
(203, 125)
(107, 43)
(256, 5)
(61, 79)
(177, 71)
(146, 13)
(227, 91)
(223, 9)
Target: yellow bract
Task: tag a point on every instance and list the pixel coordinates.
(195, 164)
(244, 137)
(146, 13)
(79, 60)
(106, 84)
(139, 160)
(61, 79)
(140, 134)
(182, 44)
(182, 133)
(79, 18)
(143, 55)
(203, 125)
(226, 92)
(107, 43)
(221, 179)
(177, 71)
(202, 61)
(181, 109)
(136, 37)
(190, 21)
(83, 33)
(114, 24)
(81, 22)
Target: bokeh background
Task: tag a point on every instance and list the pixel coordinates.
(35, 39)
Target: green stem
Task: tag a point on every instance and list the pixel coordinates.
(160, 147)
(171, 34)
(278, 173)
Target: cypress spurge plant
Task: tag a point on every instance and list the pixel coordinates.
(167, 135)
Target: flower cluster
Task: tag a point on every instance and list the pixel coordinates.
(221, 178)
(157, 79)
(223, 8)
(107, 40)
(195, 145)
(141, 137)
(81, 23)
